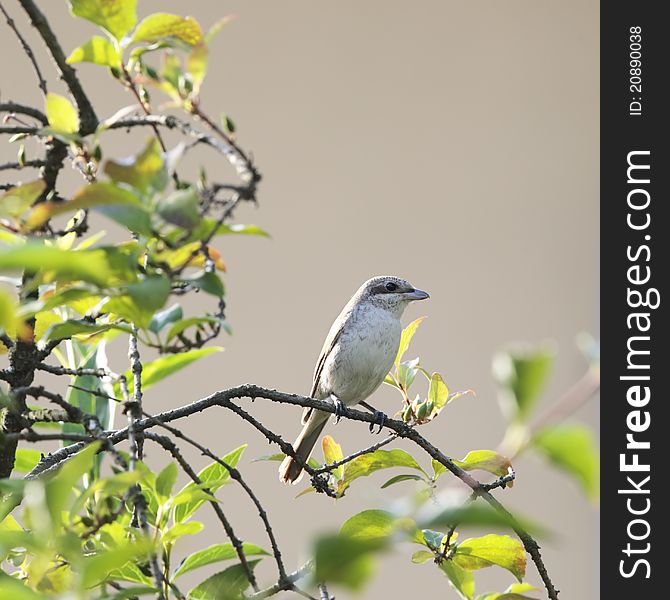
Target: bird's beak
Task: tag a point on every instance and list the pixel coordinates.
(416, 295)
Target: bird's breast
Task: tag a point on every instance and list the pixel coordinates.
(363, 355)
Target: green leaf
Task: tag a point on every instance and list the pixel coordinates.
(403, 477)
(229, 584)
(88, 402)
(433, 539)
(62, 265)
(15, 201)
(407, 371)
(478, 553)
(163, 318)
(346, 561)
(180, 208)
(59, 488)
(145, 172)
(127, 309)
(207, 281)
(133, 218)
(26, 459)
(522, 375)
(118, 204)
(215, 553)
(181, 529)
(438, 395)
(461, 580)
(16, 590)
(68, 329)
(513, 592)
(97, 50)
(151, 292)
(572, 448)
(97, 568)
(162, 367)
(486, 460)
(214, 476)
(406, 338)
(422, 556)
(166, 480)
(163, 26)
(332, 452)
(367, 464)
(184, 324)
(206, 226)
(479, 515)
(62, 116)
(116, 16)
(438, 469)
(196, 63)
(369, 525)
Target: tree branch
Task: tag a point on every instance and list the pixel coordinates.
(224, 398)
(41, 83)
(20, 109)
(88, 119)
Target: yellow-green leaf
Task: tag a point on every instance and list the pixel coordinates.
(62, 265)
(501, 550)
(116, 16)
(145, 171)
(15, 201)
(216, 553)
(62, 116)
(332, 452)
(572, 448)
(461, 580)
(486, 460)
(406, 338)
(97, 50)
(163, 26)
(93, 195)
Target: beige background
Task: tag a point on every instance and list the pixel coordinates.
(454, 143)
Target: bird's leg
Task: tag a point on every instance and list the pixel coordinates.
(380, 417)
(339, 407)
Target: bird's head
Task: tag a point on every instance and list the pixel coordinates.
(390, 293)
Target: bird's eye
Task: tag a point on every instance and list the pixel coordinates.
(391, 287)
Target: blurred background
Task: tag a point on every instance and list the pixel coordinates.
(454, 144)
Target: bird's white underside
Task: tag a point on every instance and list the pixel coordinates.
(362, 356)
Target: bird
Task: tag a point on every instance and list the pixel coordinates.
(358, 353)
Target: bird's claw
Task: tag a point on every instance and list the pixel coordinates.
(380, 420)
(339, 408)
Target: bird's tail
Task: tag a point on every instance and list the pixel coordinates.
(290, 471)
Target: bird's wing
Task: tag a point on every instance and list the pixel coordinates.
(328, 345)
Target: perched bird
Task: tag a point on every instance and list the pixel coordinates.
(357, 355)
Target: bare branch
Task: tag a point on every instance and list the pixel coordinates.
(87, 117)
(21, 109)
(41, 83)
(28, 163)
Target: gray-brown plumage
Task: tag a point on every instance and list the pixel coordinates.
(356, 356)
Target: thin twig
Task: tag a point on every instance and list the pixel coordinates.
(41, 83)
(237, 543)
(88, 119)
(21, 109)
(330, 467)
(17, 165)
